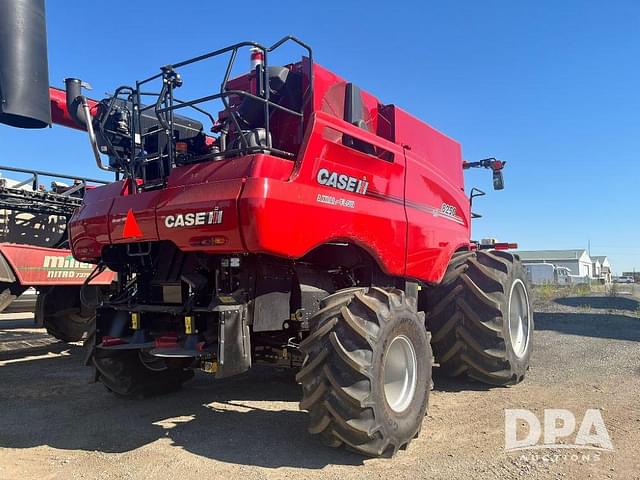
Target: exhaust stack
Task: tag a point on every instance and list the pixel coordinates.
(24, 69)
(73, 89)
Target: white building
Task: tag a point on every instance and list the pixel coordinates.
(577, 261)
(596, 267)
(605, 267)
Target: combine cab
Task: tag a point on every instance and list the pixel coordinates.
(290, 218)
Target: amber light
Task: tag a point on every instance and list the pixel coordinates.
(208, 241)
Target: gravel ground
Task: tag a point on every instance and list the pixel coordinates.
(55, 424)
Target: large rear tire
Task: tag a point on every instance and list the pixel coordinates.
(132, 374)
(58, 309)
(367, 371)
(481, 318)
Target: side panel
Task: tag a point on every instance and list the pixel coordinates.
(438, 212)
(192, 216)
(315, 207)
(48, 266)
(89, 225)
(143, 206)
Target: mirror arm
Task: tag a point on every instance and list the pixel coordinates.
(492, 163)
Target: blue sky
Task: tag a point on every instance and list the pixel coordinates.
(551, 87)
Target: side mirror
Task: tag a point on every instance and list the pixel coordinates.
(498, 180)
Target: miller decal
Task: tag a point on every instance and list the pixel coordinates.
(65, 266)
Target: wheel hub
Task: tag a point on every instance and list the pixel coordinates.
(519, 319)
(400, 374)
(152, 363)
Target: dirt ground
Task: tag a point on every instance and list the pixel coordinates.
(55, 424)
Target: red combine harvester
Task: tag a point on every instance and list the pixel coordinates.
(308, 225)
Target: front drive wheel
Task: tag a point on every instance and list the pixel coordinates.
(481, 318)
(367, 371)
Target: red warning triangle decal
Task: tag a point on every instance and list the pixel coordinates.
(131, 227)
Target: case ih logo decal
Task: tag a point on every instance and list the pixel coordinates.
(212, 217)
(342, 181)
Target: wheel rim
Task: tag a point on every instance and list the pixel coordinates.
(400, 373)
(150, 362)
(519, 319)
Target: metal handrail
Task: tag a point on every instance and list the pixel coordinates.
(35, 174)
(165, 103)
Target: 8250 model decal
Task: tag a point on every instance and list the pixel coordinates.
(448, 210)
(342, 181)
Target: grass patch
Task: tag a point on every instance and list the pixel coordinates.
(546, 292)
(549, 291)
(581, 289)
